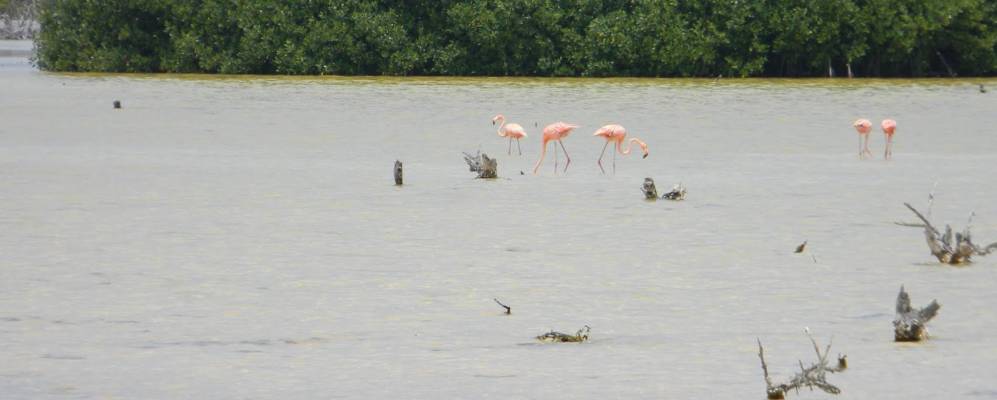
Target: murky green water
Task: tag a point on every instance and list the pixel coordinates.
(241, 237)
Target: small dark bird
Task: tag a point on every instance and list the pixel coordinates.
(982, 89)
(117, 104)
(799, 249)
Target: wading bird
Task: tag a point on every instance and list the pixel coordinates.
(863, 126)
(889, 126)
(512, 131)
(617, 134)
(556, 132)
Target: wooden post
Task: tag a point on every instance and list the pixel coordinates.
(398, 172)
(650, 191)
(909, 325)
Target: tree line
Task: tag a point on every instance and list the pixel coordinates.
(522, 37)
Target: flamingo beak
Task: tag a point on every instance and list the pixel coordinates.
(493, 122)
(645, 155)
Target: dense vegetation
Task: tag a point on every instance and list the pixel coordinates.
(523, 37)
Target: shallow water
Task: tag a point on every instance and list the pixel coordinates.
(241, 237)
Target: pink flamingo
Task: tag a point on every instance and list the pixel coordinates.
(555, 131)
(512, 131)
(889, 126)
(863, 126)
(617, 133)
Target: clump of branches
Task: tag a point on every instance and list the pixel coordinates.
(909, 326)
(18, 19)
(558, 337)
(942, 245)
(813, 376)
(486, 167)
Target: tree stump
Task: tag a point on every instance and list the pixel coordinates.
(909, 326)
(398, 172)
(486, 167)
(650, 191)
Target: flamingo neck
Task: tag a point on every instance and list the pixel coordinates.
(501, 128)
(543, 152)
(619, 145)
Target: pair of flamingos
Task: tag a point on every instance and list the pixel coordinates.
(559, 130)
(863, 126)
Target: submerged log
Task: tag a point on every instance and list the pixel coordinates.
(813, 376)
(398, 172)
(558, 337)
(677, 193)
(486, 167)
(650, 191)
(941, 245)
(909, 325)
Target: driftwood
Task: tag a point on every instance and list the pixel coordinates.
(650, 192)
(508, 310)
(941, 244)
(558, 337)
(812, 376)
(677, 193)
(486, 167)
(398, 172)
(909, 326)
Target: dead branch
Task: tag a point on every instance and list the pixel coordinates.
(941, 244)
(811, 376)
(486, 167)
(909, 325)
(558, 337)
(508, 310)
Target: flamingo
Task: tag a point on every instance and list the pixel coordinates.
(889, 126)
(617, 133)
(512, 131)
(863, 126)
(555, 131)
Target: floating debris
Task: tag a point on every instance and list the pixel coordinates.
(677, 193)
(558, 337)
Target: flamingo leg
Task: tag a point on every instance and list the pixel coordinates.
(566, 164)
(614, 158)
(555, 158)
(519, 148)
(600, 157)
(889, 147)
(861, 155)
(865, 146)
(510, 145)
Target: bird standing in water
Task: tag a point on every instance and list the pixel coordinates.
(617, 134)
(863, 126)
(512, 131)
(556, 132)
(889, 126)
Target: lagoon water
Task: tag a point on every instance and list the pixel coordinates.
(241, 238)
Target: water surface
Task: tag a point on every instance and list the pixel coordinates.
(241, 237)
